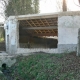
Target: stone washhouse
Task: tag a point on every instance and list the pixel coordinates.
(33, 33)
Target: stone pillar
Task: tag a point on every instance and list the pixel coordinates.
(11, 35)
(78, 44)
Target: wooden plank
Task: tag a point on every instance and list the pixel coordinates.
(41, 28)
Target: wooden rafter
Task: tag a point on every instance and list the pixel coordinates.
(53, 31)
(43, 23)
(34, 24)
(47, 23)
(39, 25)
(31, 25)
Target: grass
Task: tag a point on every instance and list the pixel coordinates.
(1, 39)
(2, 77)
(43, 66)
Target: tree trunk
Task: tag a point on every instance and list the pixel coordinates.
(79, 1)
(64, 5)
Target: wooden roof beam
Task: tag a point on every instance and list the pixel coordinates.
(41, 28)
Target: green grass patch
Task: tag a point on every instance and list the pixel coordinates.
(43, 66)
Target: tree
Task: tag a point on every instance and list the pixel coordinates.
(59, 5)
(22, 7)
(2, 7)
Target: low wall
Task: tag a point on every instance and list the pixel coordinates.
(67, 48)
(32, 50)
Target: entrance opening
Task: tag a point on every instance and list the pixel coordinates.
(38, 33)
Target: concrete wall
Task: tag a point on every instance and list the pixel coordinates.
(68, 33)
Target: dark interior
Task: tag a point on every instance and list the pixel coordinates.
(35, 33)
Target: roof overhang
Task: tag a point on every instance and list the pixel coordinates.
(47, 15)
(42, 24)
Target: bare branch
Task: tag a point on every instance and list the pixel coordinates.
(77, 4)
(59, 5)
